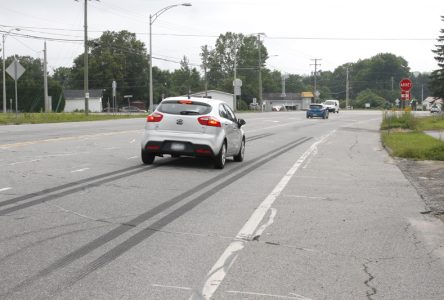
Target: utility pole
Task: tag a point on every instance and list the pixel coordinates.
(45, 81)
(260, 70)
(393, 81)
(315, 77)
(85, 54)
(347, 89)
(283, 77)
(234, 87)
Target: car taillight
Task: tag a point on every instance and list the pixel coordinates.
(209, 121)
(154, 117)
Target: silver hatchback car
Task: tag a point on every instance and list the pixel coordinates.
(197, 127)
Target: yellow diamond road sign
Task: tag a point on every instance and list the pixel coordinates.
(15, 70)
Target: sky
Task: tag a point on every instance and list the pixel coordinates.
(334, 31)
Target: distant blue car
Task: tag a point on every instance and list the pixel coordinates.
(317, 110)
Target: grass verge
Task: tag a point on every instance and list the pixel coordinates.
(36, 118)
(414, 145)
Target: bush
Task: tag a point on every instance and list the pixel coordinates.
(395, 119)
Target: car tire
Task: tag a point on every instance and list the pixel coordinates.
(240, 156)
(221, 157)
(147, 157)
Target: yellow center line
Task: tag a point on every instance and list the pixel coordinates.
(68, 138)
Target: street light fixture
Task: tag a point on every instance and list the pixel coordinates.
(153, 18)
(4, 76)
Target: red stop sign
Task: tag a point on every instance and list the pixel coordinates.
(405, 84)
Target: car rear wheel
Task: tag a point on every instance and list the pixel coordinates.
(240, 155)
(219, 160)
(147, 157)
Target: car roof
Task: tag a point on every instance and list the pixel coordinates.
(199, 99)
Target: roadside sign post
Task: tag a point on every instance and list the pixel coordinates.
(405, 85)
(114, 85)
(15, 70)
(237, 83)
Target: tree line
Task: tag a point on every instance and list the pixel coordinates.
(120, 57)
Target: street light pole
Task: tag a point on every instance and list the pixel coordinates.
(153, 18)
(85, 55)
(4, 73)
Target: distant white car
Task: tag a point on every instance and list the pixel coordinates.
(332, 105)
(435, 109)
(196, 127)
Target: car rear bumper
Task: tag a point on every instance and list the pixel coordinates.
(180, 143)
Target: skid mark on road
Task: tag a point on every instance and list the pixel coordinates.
(224, 179)
(292, 295)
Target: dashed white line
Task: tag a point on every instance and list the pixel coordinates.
(5, 189)
(132, 157)
(23, 162)
(218, 272)
(132, 141)
(171, 287)
(80, 170)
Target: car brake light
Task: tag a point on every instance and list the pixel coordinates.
(185, 102)
(154, 117)
(209, 121)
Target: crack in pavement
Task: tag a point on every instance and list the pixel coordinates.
(372, 291)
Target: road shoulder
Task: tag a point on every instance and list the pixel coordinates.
(427, 177)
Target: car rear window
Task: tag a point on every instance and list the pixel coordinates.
(316, 106)
(184, 107)
(329, 102)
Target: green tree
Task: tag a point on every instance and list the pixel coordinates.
(186, 79)
(368, 96)
(30, 86)
(245, 50)
(437, 76)
(116, 56)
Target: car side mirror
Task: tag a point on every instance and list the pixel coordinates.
(241, 122)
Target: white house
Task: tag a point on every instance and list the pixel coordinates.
(214, 94)
(430, 101)
(75, 100)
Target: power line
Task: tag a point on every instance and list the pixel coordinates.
(268, 37)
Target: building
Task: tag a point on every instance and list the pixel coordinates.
(290, 101)
(214, 94)
(75, 100)
(430, 101)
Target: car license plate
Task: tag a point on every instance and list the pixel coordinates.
(177, 147)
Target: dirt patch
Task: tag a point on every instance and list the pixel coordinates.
(428, 179)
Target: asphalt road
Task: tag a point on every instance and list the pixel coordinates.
(318, 210)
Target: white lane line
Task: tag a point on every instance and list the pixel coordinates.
(171, 287)
(218, 272)
(302, 196)
(5, 189)
(23, 162)
(270, 221)
(80, 170)
(295, 296)
(299, 296)
(68, 138)
(132, 141)
(132, 157)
